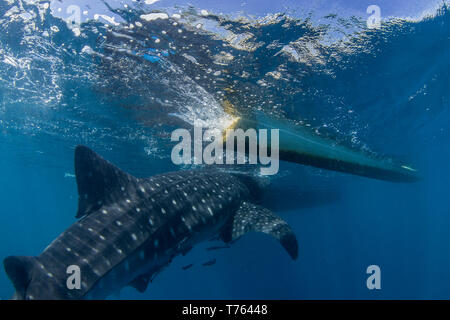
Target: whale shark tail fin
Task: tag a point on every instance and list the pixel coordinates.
(98, 180)
(253, 218)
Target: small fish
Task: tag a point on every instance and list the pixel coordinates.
(187, 267)
(209, 263)
(217, 248)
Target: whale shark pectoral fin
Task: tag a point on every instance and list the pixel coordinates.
(140, 283)
(19, 270)
(253, 218)
(97, 180)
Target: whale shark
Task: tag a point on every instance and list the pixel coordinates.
(129, 228)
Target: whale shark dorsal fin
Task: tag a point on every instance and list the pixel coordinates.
(253, 218)
(98, 180)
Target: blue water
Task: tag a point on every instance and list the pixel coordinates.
(383, 90)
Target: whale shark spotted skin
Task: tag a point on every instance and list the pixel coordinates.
(129, 229)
